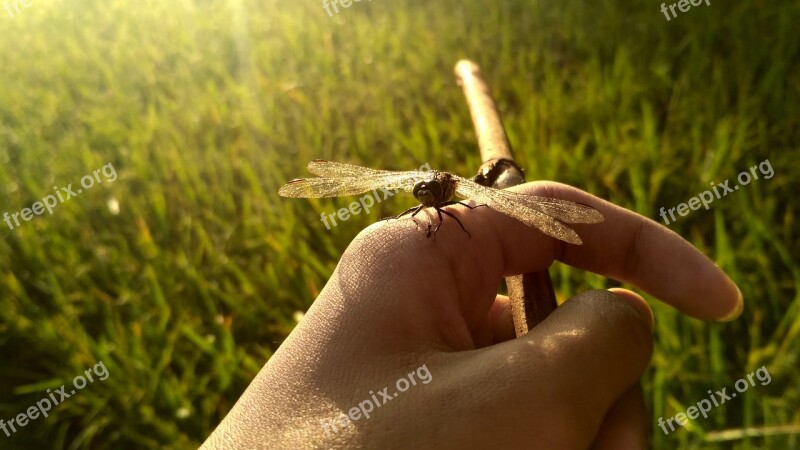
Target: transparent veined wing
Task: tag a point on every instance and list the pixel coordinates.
(332, 169)
(336, 187)
(547, 214)
(563, 210)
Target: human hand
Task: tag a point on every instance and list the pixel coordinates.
(398, 302)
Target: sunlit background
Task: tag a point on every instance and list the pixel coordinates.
(186, 272)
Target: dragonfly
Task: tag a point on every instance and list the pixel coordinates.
(436, 189)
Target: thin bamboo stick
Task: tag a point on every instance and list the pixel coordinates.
(532, 296)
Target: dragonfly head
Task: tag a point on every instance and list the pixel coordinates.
(429, 193)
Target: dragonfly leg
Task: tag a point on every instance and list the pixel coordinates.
(428, 232)
(417, 223)
(441, 211)
(419, 208)
(461, 203)
(415, 209)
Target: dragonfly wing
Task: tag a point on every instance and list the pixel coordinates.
(563, 210)
(332, 169)
(321, 188)
(546, 214)
(337, 187)
(546, 224)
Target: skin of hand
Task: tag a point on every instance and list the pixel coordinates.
(398, 301)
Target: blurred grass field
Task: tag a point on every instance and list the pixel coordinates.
(206, 108)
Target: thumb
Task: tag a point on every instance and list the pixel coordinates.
(553, 387)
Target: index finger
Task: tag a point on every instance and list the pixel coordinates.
(631, 248)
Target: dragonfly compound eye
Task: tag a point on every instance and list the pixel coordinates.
(429, 193)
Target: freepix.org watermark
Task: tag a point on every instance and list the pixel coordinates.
(364, 203)
(44, 405)
(705, 405)
(343, 3)
(367, 406)
(61, 195)
(683, 6)
(13, 7)
(705, 198)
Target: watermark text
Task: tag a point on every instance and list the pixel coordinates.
(44, 405)
(383, 397)
(704, 406)
(61, 195)
(721, 190)
(364, 203)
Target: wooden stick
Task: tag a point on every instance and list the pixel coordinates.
(532, 296)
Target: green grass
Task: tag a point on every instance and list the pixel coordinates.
(206, 108)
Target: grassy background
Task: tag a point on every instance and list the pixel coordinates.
(205, 108)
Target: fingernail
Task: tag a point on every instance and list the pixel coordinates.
(637, 302)
(736, 311)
